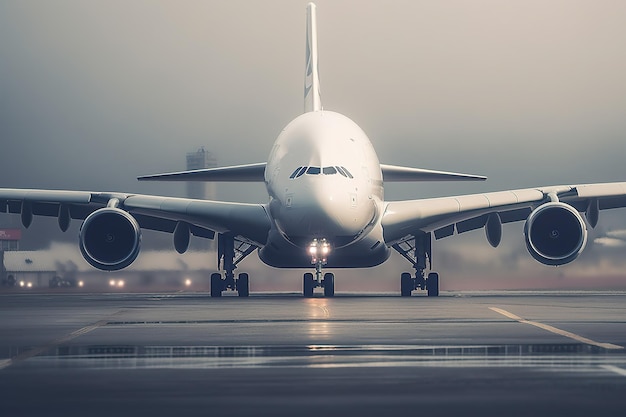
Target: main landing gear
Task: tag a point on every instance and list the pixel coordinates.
(226, 257)
(409, 283)
(417, 251)
(241, 284)
(319, 250)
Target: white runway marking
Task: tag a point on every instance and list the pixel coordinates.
(41, 349)
(555, 330)
(615, 369)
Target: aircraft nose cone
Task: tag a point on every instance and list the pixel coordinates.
(328, 218)
(325, 213)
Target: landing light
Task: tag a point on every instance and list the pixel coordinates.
(118, 283)
(187, 282)
(319, 250)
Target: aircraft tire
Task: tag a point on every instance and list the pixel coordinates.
(243, 285)
(308, 285)
(329, 284)
(406, 284)
(216, 284)
(432, 284)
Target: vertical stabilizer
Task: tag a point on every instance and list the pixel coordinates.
(312, 99)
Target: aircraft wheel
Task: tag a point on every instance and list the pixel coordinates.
(432, 284)
(329, 284)
(406, 284)
(216, 284)
(243, 285)
(308, 285)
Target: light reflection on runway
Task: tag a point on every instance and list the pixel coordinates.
(283, 355)
(318, 326)
(579, 357)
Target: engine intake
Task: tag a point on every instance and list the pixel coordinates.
(555, 233)
(110, 239)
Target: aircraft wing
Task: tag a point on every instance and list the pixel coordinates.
(249, 221)
(446, 215)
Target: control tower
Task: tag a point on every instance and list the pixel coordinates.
(201, 159)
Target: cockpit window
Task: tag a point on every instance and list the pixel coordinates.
(298, 172)
(292, 176)
(347, 172)
(318, 170)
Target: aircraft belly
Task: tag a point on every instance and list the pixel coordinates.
(367, 252)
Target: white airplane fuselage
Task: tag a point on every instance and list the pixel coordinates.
(324, 181)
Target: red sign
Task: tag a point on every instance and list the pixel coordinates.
(10, 234)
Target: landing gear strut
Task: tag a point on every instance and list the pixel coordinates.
(226, 257)
(319, 250)
(417, 254)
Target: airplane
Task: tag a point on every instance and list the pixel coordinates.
(326, 208)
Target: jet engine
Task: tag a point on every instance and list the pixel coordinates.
(110, 239)
(555, 233)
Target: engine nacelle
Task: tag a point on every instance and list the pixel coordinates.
(110, 239)
(555, 233)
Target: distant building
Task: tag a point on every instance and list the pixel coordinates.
(63, 266)
(201, 159)
(28, 269)
(10, 239)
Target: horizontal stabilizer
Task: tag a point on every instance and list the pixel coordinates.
(237, 173)
(393, 173)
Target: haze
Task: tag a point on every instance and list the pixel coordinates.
(93, 94)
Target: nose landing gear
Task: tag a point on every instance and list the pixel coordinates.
(319, 250)
(310, 282)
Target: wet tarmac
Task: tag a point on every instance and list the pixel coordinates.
(506, 353)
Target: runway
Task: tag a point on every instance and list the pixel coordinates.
(513, 353)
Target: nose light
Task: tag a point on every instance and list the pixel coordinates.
(319, 250)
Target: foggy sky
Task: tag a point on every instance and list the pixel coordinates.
(528, 93)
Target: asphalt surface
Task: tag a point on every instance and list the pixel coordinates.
(519, 353)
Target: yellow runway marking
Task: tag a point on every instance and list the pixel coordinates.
(555, 330)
